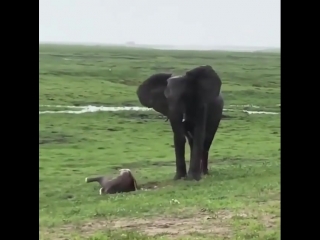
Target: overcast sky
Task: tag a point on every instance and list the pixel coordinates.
(164, 22)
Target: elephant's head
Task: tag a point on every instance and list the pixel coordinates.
(177, 93)
(171, 95)
(194, 89)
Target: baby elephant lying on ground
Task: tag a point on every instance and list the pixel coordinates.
(125, 182)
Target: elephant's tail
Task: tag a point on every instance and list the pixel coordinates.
(93, 179)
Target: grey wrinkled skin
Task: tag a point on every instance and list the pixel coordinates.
(193, 104)
(125, 182)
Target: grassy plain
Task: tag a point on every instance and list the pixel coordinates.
(239, 200)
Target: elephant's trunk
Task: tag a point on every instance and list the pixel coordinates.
(177, 111)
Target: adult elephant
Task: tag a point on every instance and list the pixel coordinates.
(193, 104)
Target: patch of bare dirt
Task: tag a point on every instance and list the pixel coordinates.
(268, 219)
(171, 226)
(271, 220)
(217, 224)
(167, 226)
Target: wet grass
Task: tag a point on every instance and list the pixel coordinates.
(88, 75)
(239, 200)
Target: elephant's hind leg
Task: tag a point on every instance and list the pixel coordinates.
(94, 179)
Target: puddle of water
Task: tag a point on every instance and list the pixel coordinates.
(259, 112)
(246, 105)
(125, 108)
(62, 106)
(252, 105)
(91, 109)
(88, 109)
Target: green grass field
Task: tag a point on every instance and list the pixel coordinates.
(239, 200)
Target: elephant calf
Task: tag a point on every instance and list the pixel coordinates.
(125, 182)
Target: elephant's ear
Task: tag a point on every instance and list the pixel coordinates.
(151, 92)
(205, 80)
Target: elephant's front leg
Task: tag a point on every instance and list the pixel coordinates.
(190, 141)
(210, 133)
(204, 162)
(179, 146)
(194, 172)
(189, 136)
